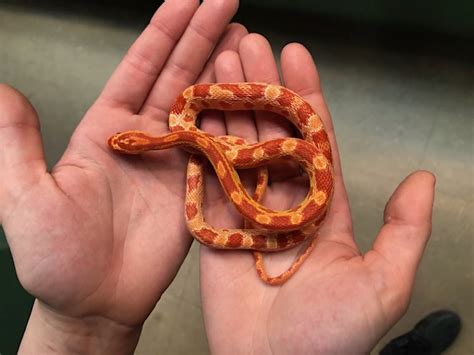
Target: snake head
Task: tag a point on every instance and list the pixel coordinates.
(126, 142)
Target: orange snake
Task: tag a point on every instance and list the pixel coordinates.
(271, 230)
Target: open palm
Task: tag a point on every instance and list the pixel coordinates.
(340, 301)
(102, 236)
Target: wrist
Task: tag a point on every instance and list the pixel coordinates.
(51, 333)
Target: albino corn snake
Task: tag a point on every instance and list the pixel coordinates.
(270, 230)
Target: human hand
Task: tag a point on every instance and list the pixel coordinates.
(99, 239)
(340, 301)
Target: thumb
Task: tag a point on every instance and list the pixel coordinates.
(22, 162)
(399, 246)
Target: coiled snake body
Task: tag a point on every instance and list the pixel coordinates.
(270, 230)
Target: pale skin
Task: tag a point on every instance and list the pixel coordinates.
(93, 242)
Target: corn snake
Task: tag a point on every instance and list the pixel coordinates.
(266, 230)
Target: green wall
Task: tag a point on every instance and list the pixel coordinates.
(15, 303)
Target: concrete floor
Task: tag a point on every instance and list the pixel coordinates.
(396, 109)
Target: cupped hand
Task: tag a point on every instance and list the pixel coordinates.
(99, 238)
(340, 301)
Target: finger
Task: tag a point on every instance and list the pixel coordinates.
(229, 42)
(239, 123)
(213, 121)
(22, 163)
(189, 56)
(407, 226)
(259, 65)
(399, 246)
(301, 75)
(132, 80)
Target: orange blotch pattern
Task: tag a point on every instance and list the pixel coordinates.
(235, 240)
(207, 236)
(304, 112)
(193, 182)
(191, 210)
(201, 90)
(310, 209)
(285, 98)
(281, 221)
(179, 104)
(282, 242)
(259, 242)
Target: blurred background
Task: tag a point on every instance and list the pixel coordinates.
(399, 80)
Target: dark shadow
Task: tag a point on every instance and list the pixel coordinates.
(388, 27)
